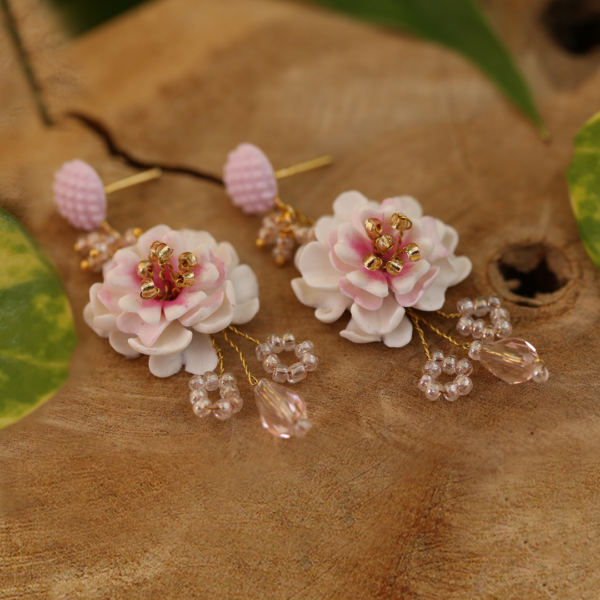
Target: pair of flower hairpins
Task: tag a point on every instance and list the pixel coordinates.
(170, 294)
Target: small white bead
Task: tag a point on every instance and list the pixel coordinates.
(449, 364)
(480, 307)
(280, 373)
(432, 368)
(424, 382)
(212, 381)
(464, 326)
(465, 307)
(438, 356)
(196, 395)
(433, 391)
(464, 367)
(227, 379)
(262, 351)
(494, 302)
(296, 373)
(228, 390)
(303, 348)
(276, 343)
(487, 337)
(477, 330)
(499, 314)
(310, 361)
(463, 384)
(451, 392)
(197, 382)
(289, 341)
(223, 410)
(475, 350)
(236, 403)
(202, 408)
(540, 373)
(270, 363)
(503, 329)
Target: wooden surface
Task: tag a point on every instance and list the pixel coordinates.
(113, 489)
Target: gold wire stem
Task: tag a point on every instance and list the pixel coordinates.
(447, 315)
(133, 180)
(251, 378)
(242, 334)
(219, 354)
(464, 345)
(308, 165)
(415, 320)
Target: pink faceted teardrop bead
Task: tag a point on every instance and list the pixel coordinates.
(79, 195)
(250, 179)
(511, 359)
(282, 411)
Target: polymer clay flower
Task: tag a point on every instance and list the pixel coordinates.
(173, 331)
(335, 275)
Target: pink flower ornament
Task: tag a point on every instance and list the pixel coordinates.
(335, 278)
(174, 333)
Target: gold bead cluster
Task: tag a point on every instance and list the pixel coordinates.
(159, 257)
(383, 243)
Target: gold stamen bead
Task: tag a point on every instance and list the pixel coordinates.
(400, 222)
(384, 243)
(413, 252)
(372, 262)
(164, 254)
(185, 280)
(394, 266)
(144, 269)
(149, 290)
(374, 228)
(187, 261)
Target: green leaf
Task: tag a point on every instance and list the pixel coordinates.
(459, 25)
(37, 335)
(583, 177)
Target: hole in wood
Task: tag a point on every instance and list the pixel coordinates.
(573, 24)
(531, 273)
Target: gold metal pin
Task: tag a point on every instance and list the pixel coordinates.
(308, 165)
(132, 180)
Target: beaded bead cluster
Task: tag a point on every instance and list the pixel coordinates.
(283, 228)
(230, 401)
(471, 323)
(461, 385)
(267, 354)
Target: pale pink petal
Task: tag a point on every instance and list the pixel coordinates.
(206, 308)
(432, 230)
(433, 298)
(149, 310)
(175, 338)
(345, 204)
(222, 317)
(132, 323)
(406, 280)
(193, 238)
(338, 265)
(200, 356)
(152, 235)
(165, 366)
(102, 320)
(323, 227)
(352, 245)
(374, 282)
(187, 300)
(317, 269)
(110, 297)
(119, 342)
(88, 317)
(355, 334)
(407, 205)
(360, 296)
(412, 297)
(380, 321)
(226, 252)
(400, 336)
(123, 273)
(330, 305)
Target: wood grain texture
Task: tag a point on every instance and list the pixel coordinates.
(114, 490)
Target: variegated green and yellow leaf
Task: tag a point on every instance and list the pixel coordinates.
(583, 177)
(37, 334)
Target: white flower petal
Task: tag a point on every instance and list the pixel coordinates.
(222, 317)
(244, 313)
(165, 366)
(106, 323)
(200, 356)
(355, 334)
(330, 305)
(185, 302)
(244, 282)
(316, 267)
(145, 240)
(88, 317)
(373, 282)
(400, 336)
(345, 203)
(206, 308)
(323, 227)
(149, 310)
(381, 321)
(119, 342)
(174, 338)
(226, 252)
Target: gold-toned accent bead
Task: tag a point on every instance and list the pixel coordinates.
(374, 228)
(394, 265)
(412, 251)
(187, 261)
(384, 243)
(145, 268)
(164, 254)
(149, 289)
(400, 222)
(260, 243)
(185, 280)
(280, 260)
(94, 253)
(137, 232)
(372, 262)
(85, 265)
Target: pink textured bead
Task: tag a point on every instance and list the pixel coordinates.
(79, 195)
(250, 179)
